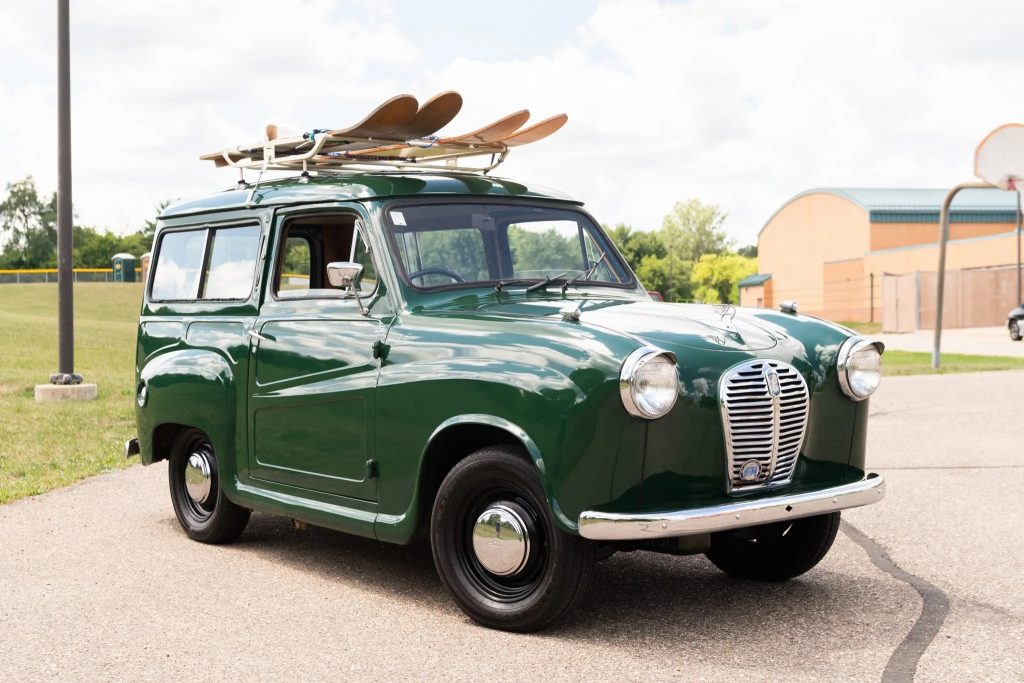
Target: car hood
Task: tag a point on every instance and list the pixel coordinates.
(659, 324)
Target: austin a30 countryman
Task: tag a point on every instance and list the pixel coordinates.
(405, 353)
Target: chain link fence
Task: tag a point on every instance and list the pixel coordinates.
(11, 277)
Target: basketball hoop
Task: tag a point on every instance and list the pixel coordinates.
(999, 158)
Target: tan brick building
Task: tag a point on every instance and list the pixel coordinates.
(835, 250)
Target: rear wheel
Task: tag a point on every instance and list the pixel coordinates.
(774, 552)
(1015, 334)
(200, 505)
(496, 547)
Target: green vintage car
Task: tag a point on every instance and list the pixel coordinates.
(398, 354)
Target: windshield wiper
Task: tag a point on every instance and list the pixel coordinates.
(586, 275)
(507, 283)
(546, 281)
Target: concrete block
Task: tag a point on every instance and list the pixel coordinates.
(65, 392)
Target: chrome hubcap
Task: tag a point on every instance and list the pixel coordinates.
(197, 477)
(501, 540)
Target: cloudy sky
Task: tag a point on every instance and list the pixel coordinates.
(742, 104)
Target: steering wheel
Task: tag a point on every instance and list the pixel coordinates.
(437, 271)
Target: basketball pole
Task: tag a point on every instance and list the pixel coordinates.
(941, 285)
(1020, 300)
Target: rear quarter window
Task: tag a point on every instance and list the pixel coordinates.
(207, 264)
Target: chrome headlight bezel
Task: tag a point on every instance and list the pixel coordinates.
(628, 382)
(849, 349)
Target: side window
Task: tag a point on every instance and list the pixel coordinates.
(232, 265)
(296, 264)
(178, 266)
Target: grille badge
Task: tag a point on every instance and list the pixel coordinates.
(750, 471)
(771, 378)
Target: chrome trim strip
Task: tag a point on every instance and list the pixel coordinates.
(849, 347)
(612, 526)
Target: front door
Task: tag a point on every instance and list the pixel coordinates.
(314, 375)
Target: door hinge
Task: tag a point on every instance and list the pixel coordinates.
(371, 469)
(380, 349)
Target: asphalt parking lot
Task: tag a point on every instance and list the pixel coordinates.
(980, 341)
(97, 582)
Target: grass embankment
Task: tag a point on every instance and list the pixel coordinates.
(47, 445)
(920, 363)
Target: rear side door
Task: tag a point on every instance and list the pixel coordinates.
(314, 371)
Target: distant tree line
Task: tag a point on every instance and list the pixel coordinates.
(689, 258)
(28, 233)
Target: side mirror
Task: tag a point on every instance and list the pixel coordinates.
(345, 275)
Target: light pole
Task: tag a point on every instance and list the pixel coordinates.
(65, 383)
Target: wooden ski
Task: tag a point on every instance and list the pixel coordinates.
(491, 132)
(434, 115)
(384, 120)
(536, 132)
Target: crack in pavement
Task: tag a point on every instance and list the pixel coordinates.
(902, 664)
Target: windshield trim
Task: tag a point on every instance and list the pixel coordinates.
(630, 284)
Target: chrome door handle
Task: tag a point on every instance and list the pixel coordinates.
(256, 335)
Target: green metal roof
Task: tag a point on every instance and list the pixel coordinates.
(755, 280)
(921, 205)
(359, 186)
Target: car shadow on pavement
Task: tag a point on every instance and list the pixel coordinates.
(658, 600)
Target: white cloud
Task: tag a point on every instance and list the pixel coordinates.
(741, 103)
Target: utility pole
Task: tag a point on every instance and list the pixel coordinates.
(65, 384)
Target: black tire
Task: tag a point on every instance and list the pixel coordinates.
(774, 552)
(556, 570)
(1015, 334)
(214, 520)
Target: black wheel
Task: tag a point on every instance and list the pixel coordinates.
(203, 510)
(497, 549)
(1015, 334)
(774, 552)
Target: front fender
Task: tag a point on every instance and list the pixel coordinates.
(189, 387)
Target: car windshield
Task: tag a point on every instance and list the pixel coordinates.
(463, 244)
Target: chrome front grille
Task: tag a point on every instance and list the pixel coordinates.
(764, 418)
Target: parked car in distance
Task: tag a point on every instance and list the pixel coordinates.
(1015, 323)
(462, 357)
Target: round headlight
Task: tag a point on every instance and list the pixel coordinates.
(859, 367)
(649, 383)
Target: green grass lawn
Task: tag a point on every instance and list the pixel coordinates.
(920, 363)
(48, 445)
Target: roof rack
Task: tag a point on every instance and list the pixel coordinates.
(397, 134)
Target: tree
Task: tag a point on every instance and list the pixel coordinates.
(750, 251)
(716, 277)
(668, 275)
(150, 227)
(28, 227)
(636, 245)
(694, 229)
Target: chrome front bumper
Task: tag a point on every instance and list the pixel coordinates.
(616, 526)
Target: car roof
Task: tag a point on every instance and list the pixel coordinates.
(362, 186)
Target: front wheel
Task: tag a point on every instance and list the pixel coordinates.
(200, 505)
(774, 552)
(1015, 334)
(496, 547)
